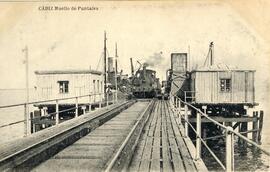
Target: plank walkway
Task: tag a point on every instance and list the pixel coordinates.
(162, 146)
(93, 151)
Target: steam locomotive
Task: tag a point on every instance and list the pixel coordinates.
(144, 83)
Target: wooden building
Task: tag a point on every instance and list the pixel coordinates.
(222, 85)
(69, 83)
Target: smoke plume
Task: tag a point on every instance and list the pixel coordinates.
(155, 60)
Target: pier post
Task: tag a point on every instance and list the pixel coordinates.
(83, 108)
(107, 99)
(179, 112)
(27, 127)
(260, 127)
(100, 98)
(198, 141)
(33, 130)
(244, 128)
(204, 131)
(77, 108)
(229, 150)
(204, 109)
(186, 121)
(56, 113)
(255, 127)
(114, 97)
(90, 106)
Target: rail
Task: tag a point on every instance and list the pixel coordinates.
(176, 104)
(127, 139)
(27, 120)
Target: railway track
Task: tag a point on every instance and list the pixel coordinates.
(133, 136)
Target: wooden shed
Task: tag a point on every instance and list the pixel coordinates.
(68, 83)
(223, 86)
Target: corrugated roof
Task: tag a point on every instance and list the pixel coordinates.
(47, 72)
(220, 67)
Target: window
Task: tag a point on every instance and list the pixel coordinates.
(225, 85)
(63, 86)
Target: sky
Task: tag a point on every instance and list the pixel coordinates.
(74, 39)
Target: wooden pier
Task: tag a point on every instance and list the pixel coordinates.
(163, 147)
(143, 137)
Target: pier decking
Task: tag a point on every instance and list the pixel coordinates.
(93, 151)
(155, 144)
(162, 146)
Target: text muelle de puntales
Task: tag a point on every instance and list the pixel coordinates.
(67, 8)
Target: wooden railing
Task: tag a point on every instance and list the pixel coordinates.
(27, 120)
(176, 104)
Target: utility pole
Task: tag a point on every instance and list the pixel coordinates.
(105, 66)
(189, 59)
(116, 56)
(211, 53)
(26, 107)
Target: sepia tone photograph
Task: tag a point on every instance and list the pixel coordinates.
(134, 85)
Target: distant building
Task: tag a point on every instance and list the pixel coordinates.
(223, 85)
(69, 83)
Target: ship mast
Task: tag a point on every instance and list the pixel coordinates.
(26, 110)
(105, 65)
(116, 56)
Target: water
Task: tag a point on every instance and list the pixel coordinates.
(245, 159)
(9, 115)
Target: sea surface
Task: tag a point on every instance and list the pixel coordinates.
(246, 159)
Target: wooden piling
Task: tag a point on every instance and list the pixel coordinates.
(244, 128)
(260, 127)
(32, 122)
(255, 127)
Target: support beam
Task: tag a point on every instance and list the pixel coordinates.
(222, 119)
(255, 127)
(244, 128)
(260, 127)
